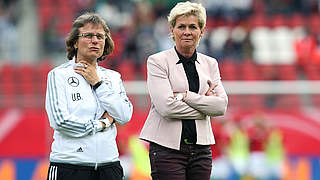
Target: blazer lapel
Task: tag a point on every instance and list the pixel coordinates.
(179, 75)
(203, 75)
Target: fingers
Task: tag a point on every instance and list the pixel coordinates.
(211, 91)
(80, 70)
(85, 63)
(214, 86)
(211, 86)
(88, 71)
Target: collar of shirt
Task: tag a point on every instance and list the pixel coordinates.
(183, 59)
(73, 62)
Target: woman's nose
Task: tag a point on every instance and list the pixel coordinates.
(94, 39)
(187, 31)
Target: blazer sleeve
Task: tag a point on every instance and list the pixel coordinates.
(161, 93)
(210, 105)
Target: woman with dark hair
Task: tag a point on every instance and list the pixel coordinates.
(83, 101)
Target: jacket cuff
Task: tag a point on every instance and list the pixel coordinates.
(106, 122)
(97, 126)
(190, 95)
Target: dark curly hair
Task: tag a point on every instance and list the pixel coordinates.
(82, 20)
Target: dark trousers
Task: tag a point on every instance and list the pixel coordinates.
(192, 162)
(60, 171)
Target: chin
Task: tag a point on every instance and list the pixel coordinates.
(188, 46)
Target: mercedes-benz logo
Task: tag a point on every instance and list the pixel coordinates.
(73, 81)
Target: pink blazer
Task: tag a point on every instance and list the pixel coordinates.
(163, 125)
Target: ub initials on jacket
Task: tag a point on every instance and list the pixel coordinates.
(74, 110)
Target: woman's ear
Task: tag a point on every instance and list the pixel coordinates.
(202, 32)
(171, 33)
(76, 45)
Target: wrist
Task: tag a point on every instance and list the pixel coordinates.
(106, 123)
(96, 85)
(179, 97)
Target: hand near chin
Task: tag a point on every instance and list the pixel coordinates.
(88, 71)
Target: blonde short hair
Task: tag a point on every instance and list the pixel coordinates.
(188, 8)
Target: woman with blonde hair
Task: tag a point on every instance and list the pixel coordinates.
(185, 90)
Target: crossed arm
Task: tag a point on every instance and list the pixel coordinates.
(193, 105)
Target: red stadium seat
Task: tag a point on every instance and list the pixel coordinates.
(248, 70)
(287, 72)
(278, 20)
(26, 85)
(46, 12)
(314, 24)
(296, 20)
(127, 70)
(267, 72)
(8, 85)
(311, 71)
(42, 72)
(228, 70)
(258, 20)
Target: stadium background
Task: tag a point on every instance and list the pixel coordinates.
(269, 57)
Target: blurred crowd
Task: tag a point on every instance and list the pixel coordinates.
(261, 31)
(248, 148)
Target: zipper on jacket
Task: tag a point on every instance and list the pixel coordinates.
(95, 117)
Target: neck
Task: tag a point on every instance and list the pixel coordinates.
(186, 52)
(88, 60)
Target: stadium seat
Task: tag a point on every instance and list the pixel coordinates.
(267, 72)
(296, 20)
(311, 71)
(258, 20)
(127, 70)
(313, 23)
(8, 85)
(42, 72)
(287, 72)
(46, 12)
(26, 86)
(248, 70)
(228, 70)
(278, 20)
